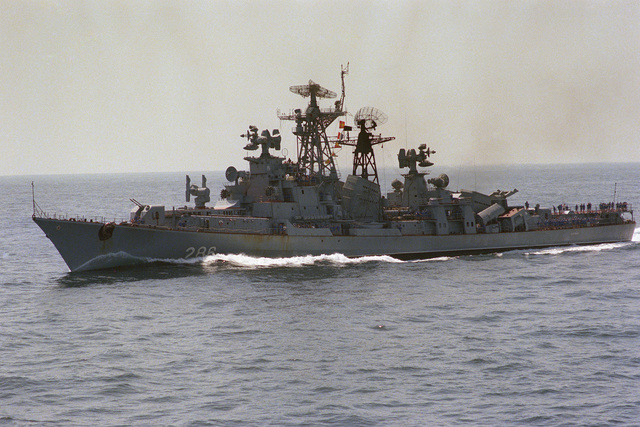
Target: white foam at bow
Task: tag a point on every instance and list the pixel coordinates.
(297, 261)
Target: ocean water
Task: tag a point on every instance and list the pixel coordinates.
(528, 337)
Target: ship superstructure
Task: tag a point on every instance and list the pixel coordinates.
(279, 207)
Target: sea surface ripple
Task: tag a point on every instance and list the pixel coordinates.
(528, 337)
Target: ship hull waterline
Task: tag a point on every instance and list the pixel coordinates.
(81, 249)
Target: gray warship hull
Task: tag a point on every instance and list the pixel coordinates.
(81, 248)
(284, 208)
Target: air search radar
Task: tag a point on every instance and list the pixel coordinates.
(370, 118)
(312, 89)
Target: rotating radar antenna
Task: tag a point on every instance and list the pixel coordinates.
(312, 89)
(370, 118)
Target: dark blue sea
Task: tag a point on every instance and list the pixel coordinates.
(530, 337)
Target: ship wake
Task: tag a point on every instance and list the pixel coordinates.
(250, 262)
(587, 248)
(122, 259)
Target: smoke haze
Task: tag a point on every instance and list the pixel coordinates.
(169, 86)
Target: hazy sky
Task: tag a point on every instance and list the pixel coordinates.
(136, 86)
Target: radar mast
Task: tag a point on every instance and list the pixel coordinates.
(364, 160)
(315, 158)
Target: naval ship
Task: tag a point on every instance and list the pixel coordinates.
(284, 208)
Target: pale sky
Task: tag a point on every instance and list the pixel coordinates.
(152, 86)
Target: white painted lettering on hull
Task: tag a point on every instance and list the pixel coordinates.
(200, 252)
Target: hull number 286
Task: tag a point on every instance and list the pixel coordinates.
(200, 252)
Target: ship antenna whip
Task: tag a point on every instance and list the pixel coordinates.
(343, 72)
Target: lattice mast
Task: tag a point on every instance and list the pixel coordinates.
(315, 157)
(364, 160)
